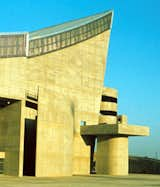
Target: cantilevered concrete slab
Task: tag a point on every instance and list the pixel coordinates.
(114, 129)
(112, 145)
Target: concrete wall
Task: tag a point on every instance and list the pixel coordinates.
(13, 77)
(10, 124)
(71, 81)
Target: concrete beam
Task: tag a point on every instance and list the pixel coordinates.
(116, 129)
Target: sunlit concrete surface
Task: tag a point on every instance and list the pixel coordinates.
(82, 181)
(51, 86)
(47, 94)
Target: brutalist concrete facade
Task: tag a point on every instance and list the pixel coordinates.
(51, 92)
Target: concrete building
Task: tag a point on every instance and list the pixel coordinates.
(53, 104)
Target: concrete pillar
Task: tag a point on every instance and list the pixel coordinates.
(112, 155)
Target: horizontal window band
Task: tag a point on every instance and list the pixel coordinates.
(31, 105)
(14, 45)
(43, 45)
(109, 99)
(108, 113)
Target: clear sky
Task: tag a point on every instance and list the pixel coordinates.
(134, 55)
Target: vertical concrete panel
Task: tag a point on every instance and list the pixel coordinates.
(112, 155)
(54, 135)
(11, 125)
(81, 156)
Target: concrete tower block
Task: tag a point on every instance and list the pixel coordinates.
(108, 107)
(112, 136)
(112, 147)
(112, 151)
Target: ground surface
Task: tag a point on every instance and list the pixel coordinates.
(82, 181)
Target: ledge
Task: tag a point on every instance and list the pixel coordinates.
(116, 129)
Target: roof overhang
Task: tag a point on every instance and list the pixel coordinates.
(70, 25)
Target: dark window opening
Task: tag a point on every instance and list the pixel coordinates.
(31, 98)
(82, 123)
(109, 99)
(31, 105)
(109, 113)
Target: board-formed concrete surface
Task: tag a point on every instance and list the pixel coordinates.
(82, 181)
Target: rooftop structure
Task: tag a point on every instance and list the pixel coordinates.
(53, 38)
(53, 104)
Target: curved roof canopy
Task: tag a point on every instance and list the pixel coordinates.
(55, 37)
(66, 26)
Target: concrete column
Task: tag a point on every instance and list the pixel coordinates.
(112, 155)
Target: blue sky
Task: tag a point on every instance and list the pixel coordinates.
(134, 53)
